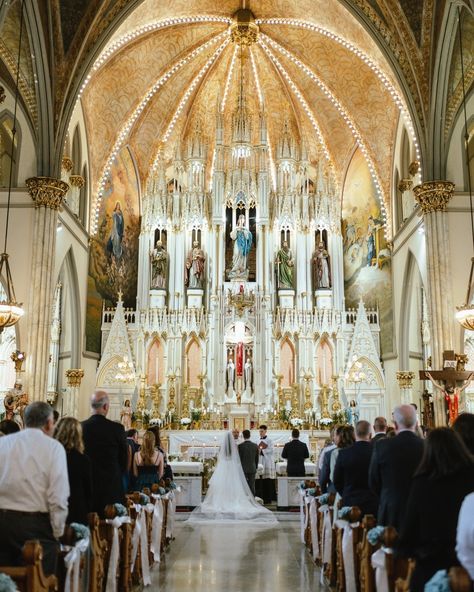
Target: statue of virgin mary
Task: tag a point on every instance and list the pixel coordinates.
(242, 238)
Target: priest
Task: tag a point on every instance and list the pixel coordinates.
(267, 481)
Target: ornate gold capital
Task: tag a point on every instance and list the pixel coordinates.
(3, 96)
(47, 191)
(77, 181)
(405, 379)
(413, 168)
(243, 30)
(433, 196)
(405, 185)
(66, 164)
(74, 376)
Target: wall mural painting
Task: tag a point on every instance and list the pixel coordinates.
(113, 258)
(367, 258)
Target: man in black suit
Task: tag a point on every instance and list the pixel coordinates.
(248, 452)
(351, 473)
(106, 446)
(380, 429)
(394, 461)
(295, 452)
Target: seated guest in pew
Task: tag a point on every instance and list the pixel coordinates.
(147, 463)
(324, 471)
(380, 429)
(8, 426)
(68, 431)
(440, 484)
(465, 535)
(351, 473)
(295, 452)
(105, 444)
(394, 461)
(464, 426)
(34, 488)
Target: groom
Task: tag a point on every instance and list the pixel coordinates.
(249, 453)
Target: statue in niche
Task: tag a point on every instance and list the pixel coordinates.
(285, 266)
(195, 267)
(242, 238)
(230, 377)
(248, 375)
(322, 273)
(159, 267)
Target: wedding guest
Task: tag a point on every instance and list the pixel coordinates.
(465, 535)
(34, 488)
(132, 447)
(295, 452)
(391, 432)
(351, 473)
(106, 446)
(440, 484)
(69, 432)
(8, 426)
(249, 453)
(147, 463)
(328, 446)
(346, 439)
(394, 461)
(324, 480)
(464, 426)
(380, 429)
(167, 470)
(267, 482)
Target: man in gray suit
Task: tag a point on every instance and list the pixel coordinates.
(248, 452)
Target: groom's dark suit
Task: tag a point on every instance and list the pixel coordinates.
(248, 452)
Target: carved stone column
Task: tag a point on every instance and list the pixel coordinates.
(47, 194)
(405, 382)
(74, 378)
(433, 198)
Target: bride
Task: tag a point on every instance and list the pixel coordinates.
(229, 498)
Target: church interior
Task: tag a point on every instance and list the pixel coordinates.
(238, 214)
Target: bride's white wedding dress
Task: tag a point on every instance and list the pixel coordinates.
(229, 497)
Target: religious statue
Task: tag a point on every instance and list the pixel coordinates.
(159, 267)
(242, 238)
(285, 265)
(126, 415)
(114, 244)
(451, 395)
(248, 375)
(12, 399)
(352, 413)
(322, 274)
(230, 378)
(195, 267)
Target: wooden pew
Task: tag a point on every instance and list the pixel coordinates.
(352, 518)
(364, 552)
(459, 580)
(30, 576)
(399, 569)
(125, 542)
(97, 556)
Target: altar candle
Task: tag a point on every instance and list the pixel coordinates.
(203, 447)
(192, 446)
(215, 445)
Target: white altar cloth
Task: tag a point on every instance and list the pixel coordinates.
(186, 468)
(310, 468)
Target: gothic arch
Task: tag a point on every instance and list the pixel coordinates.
(6, 118)
(70, 305)
(288, 361)
(192, 360)
(111, 364)
(155, 362)
(408, 314)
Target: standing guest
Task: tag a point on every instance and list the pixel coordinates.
(394, 461)
(328, 446)
(464, 426)
(236, 436)
(346, 439)
(55, 416)
(147, 463)
(249, 453)
(132, 447)
(295, 452)
(440, 484)
(167, 470)
(465, 535)
(351, 473)
(34, 488)
(69, 432)
(324, 470)
(105, 444)
(265, 446)
(391, 432)
(380, 429)
(8, 426)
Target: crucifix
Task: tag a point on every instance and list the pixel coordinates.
(451, 381)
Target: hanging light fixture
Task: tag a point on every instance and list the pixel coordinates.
(10, 310)
(465, 313)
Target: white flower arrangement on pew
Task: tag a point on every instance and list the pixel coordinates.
(296, 421)
(7, 584)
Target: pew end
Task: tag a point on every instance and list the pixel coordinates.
(30, 576)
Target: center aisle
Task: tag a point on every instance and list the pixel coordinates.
(236, 558)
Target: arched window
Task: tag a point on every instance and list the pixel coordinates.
(76, 155)
(83, 198)
(6, 138)
(156, 366)
(287, 363)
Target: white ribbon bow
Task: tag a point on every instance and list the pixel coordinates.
(73, 565)
(116, 523)
(156, 526)
(139, 536)
(348, 553)
(378, 563)
(313, 524)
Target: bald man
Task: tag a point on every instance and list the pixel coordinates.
(393, 464)
(106, 446)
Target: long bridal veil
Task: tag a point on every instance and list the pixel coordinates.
(229, 498)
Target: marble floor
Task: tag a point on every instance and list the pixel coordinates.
(236, 558)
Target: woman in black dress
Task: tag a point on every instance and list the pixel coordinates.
(69, 433)
(442, 481)
(147, 463)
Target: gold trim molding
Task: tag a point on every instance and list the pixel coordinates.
(405, 185)
(433, 196)
(77, 181)
(74, 376)
(47, 191)
(405, 379)
(66, 164)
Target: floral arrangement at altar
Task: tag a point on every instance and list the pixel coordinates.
(296, 422)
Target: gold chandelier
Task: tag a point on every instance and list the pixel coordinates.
(10, 310)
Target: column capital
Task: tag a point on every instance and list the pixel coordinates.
(66, 164)
(405, 185)
(433, 196)
(77, 181)
(47, 191)
(74, 376)
(405, 379)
